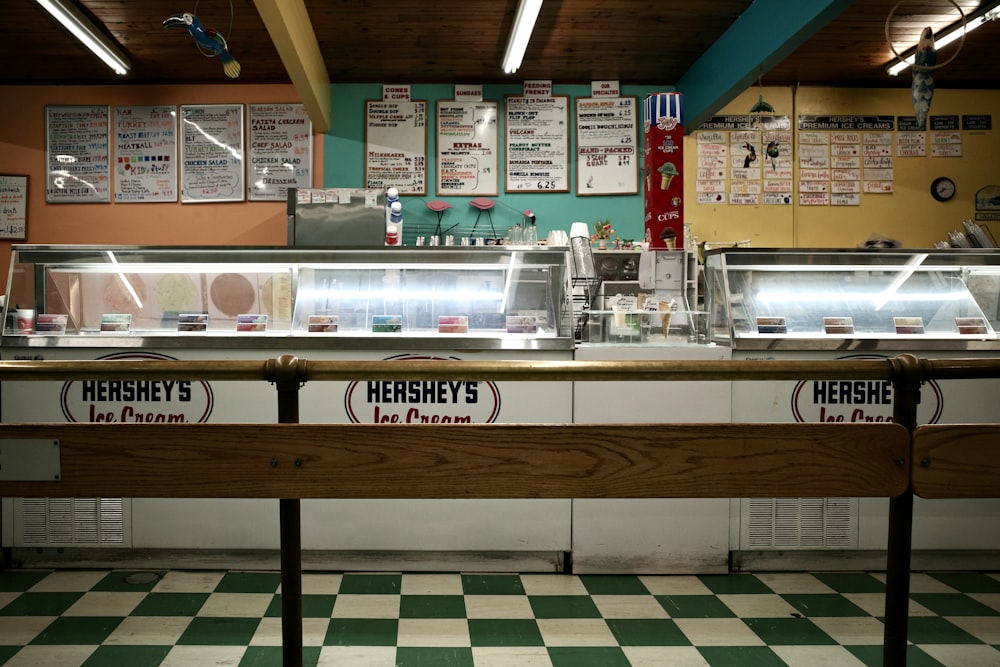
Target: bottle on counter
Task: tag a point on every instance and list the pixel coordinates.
(394, 227)
(583, 257)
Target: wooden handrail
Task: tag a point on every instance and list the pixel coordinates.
(956, 461)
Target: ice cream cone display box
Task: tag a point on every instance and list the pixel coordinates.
(846, 304)
(663, 163)
(200, 303)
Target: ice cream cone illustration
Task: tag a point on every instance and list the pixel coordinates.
(667, 172)
(649, 179)
(669, 238)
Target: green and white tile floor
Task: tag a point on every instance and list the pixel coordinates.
(68, 618)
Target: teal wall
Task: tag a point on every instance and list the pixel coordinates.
(343, 164)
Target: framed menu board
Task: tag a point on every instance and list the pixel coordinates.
(211, 153)
(537, 146)
(280, 150)
(467, 150)
(145, 154)
(76, 154)
(13, 207)
(396, 145)
(607, 132)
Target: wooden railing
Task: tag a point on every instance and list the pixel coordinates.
(290, 461)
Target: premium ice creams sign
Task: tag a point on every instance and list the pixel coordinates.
(422, 401)
(137, 401)
(858, 400)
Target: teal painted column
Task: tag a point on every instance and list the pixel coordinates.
(764, 35)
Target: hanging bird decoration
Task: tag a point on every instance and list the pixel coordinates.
(922, 89)
(207, 39)
(761, 106)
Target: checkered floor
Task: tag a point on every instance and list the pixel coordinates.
(68, 618)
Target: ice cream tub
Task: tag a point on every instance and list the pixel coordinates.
(663, 163)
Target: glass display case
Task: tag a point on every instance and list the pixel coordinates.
(838, 299)
(481, 297)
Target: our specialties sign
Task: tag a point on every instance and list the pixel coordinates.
(422, 401)
(137, 401)
(607, 132)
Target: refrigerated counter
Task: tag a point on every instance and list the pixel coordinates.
(835, 304)
(201, 303)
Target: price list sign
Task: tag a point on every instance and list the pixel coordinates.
(396, 146)
(606, 138)
(76, 153)
(280, 151)
(13, 207)
(537, 150)
(467, 148)
(212, 153)
(145, 154)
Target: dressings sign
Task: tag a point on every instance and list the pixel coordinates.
(422, 401)
(137, 401)
(858, 400)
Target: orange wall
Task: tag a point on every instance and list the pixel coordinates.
(22, 151)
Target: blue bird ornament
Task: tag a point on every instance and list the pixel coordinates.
(922, 89)
(207, 39)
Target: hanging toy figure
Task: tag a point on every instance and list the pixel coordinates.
(924, 61)
(207, 39)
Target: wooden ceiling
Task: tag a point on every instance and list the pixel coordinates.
(462, 41)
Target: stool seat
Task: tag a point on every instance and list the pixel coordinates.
(482, 203)
(438, 206)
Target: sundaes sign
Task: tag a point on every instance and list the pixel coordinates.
(137, 401)
(422, 401)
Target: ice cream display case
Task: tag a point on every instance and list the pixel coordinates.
(488, 297)
(760, 299)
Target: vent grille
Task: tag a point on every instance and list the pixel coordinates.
(800, 523)
(72, 521)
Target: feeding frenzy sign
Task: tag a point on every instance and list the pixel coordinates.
(422, 401)
(137, 401)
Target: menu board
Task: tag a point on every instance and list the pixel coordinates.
(145, 154)
(607, 131)
(467, 150)
(211, 153)
(537, 150)
(396, 146)
(13, 207)
(280, 153)
(76, 154)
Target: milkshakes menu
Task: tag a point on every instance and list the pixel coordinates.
(396, 146)
(145, 154)
(537, 144)
(76, 147)
(212, 153)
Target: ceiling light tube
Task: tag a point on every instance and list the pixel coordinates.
(517, 43)
(984, 14)
(84, 30)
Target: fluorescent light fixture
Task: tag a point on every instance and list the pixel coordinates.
(984, 14)
(520, 33)
(70, 16)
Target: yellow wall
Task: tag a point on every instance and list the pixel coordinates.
(909, 214)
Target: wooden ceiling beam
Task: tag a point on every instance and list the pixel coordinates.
(287, 21)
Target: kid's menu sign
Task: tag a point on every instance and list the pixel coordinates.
(212, 153)
(280, 150)
(466, 148)
(13, 207)
(76, 154)
(145, 154)
(396, 146)
(606, 137)
(537, 150)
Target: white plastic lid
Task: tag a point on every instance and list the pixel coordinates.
(392, 193)
(579, 229)
(395, 207)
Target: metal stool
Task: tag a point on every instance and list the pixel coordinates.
(483, 204)
(439, 207)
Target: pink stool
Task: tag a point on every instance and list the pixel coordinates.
(487, 205)
(438, 207)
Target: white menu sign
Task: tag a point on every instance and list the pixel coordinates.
(76, 154)
(537, 150)
(280, 150)
(607, 133)
(212, 153)
(396, 146)
(467, 155)
(145, 154)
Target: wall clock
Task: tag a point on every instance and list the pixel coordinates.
(942, 188)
